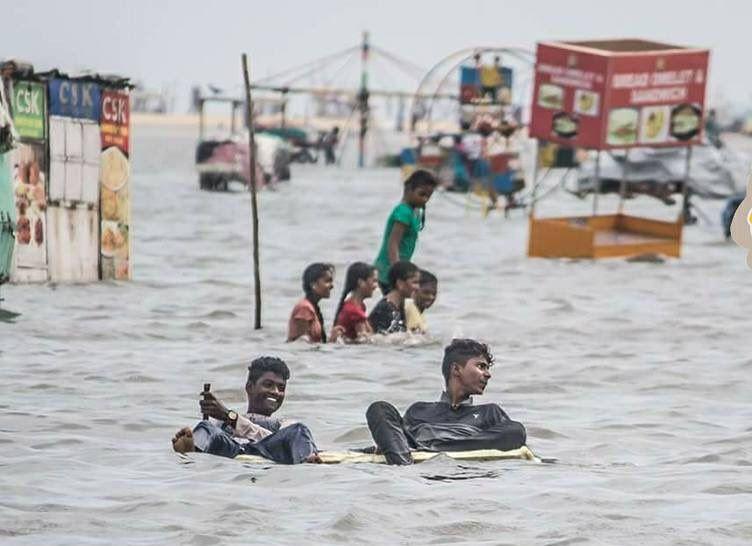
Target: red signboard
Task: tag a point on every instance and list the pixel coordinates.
(618, 94)
(115, 120)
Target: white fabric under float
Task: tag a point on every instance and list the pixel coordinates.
(352, 457)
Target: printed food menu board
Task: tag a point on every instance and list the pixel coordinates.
(618, 94)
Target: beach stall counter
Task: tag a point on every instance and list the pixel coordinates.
(615, 95)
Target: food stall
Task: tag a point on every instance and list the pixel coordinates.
(73, 199)
(70, 173)
(615, 95)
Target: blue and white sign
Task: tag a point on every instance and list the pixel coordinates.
(74, 99)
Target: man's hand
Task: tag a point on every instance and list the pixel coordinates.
(213, 407)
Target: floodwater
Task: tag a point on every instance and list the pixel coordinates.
(636, 377)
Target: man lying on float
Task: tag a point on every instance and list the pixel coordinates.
(229, 434)
(453, 423)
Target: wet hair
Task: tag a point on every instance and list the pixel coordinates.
(356, 272)
(459, 351)
(417, 179)
(401, 271)
(426, 277)
(311, 274)
(263, 364)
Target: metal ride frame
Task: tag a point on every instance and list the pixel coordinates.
(450, 64)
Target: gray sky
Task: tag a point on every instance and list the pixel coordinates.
(200, 41)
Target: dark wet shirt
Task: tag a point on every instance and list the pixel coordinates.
(386, 318)
(431, 422)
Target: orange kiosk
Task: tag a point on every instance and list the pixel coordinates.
(614, 95)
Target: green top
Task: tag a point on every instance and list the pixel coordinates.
(7, 216)
(404, 214)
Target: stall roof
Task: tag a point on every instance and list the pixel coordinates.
(25, 69)
(619, 46)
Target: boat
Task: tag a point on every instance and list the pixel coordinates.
(222, 151)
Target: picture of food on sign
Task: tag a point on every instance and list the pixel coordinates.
(565, 125)
(115, 204)
(29, 178)
(38, 231)
(586, 102)
(122, 270)
(115, 168)
(551, 96)
(654, 124)
(23, 230)
(622, 127)
(685, 121)
(114, 239)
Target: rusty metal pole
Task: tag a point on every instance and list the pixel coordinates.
(623, 184)
(597, 184)
(254, 203)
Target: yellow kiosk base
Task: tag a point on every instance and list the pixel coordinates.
(351, 457)
(603, 236)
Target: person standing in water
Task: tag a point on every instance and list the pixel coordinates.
(388, 316)
(407, 219)
(306, 319)
(360, 282)
(423, 298)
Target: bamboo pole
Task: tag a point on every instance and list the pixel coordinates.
(254, 203)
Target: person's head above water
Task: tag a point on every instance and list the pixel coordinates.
(318, 281)
(425, 296)
(418, 188)
(403, 277)
(466, 368)
(361, 278)
(266, 384)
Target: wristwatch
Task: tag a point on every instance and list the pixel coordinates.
(231, 418)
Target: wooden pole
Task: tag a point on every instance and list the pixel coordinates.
(254, 203)
(363, 100)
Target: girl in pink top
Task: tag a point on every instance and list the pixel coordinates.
(351, 316)
(306, 319)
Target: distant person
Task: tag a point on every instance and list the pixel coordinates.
(360, 282)
(406, 220)
(306, 320)
(388, 316)
(227, 433)
(452, 423)
(490, 79)
(423, 298)
(330, 142)
(712, 129)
